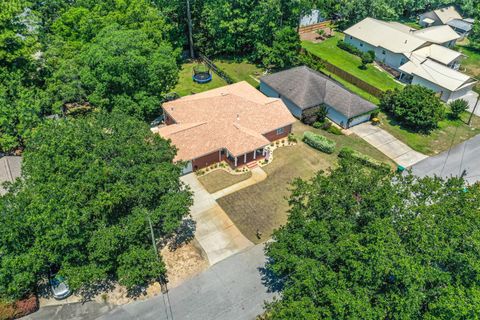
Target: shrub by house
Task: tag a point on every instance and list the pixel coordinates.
(319, 142)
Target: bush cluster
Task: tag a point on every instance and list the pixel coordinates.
(457, 107)
(319, 142)
(349, 48)
(417, 107)
(348, 153)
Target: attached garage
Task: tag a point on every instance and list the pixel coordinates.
(302, 88)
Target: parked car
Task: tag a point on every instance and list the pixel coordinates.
(59, 288)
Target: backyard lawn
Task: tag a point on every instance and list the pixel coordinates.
(449, 133)
(220, 179)
(264, 206)
(238, 71)
(329, 51)
(471, 64)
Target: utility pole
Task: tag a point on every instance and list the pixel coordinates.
(190, 36)
(473, 111)
(163, 282)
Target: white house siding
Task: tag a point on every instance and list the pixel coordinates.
(337, 117)
(394, 60)
(313, 18)
(460, 93)
(270, 92)
(420, 81)
(359, 119)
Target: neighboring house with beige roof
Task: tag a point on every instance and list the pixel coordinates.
(447, 16)
(449, 83)
(233, 123)
(10, 169)
(414, 53)
(441, 35)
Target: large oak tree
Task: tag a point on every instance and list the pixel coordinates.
(88, 188)
(363, 244)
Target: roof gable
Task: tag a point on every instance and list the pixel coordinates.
(307, 88)
(446, 14)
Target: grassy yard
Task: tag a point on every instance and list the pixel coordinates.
(220, 179)
(187, 86)
(238, 71)
(449, 133)
(241, 71)
(329, 51)
(264, 206)
(471, 64)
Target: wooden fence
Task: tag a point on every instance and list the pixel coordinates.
(374, 91)
(314, 27)
(216, 69)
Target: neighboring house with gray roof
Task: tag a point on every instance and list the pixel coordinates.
(10, 169)
(302, 88)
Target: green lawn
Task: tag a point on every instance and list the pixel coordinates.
(449, 133)
(264, 206)
(187, 86)
(238, 71)
(329, 51)
(220, 179)
(471, 64)
(241, 71)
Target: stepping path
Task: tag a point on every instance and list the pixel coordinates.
(388, 144)
(216, 233)
(257, 175)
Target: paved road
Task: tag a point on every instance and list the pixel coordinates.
(465, 156)
(231, 289)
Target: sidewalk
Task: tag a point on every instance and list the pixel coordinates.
(388, 144)
(257, 175)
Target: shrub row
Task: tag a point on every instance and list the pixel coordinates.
(349, 48)
(362, 158)
(319, 142)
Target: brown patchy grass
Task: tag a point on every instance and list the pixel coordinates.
(264, 206)
(219, 179)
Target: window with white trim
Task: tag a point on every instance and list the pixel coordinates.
(280, 131)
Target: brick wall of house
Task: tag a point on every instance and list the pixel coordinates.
(206, 160)
(168, 119)
(272, 135)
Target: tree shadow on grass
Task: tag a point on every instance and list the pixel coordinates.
(88, 292)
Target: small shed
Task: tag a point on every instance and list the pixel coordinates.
(302, 88)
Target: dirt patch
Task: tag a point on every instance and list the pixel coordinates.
(184, 263)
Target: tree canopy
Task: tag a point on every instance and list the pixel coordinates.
(364, 244)
(88, 186)
(415, 106)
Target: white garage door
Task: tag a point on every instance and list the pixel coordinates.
(188, 168)
(460, 93)
(360, 119)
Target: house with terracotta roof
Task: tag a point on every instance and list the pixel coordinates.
(233, 123)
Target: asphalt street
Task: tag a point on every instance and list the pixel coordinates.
(465, 156)
(231, 289)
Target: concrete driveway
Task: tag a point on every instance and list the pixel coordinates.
(465, 156)
(388, 144)
(471, 98)
(216, 233)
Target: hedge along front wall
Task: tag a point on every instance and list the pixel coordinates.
(363, 158)
(319, 142)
